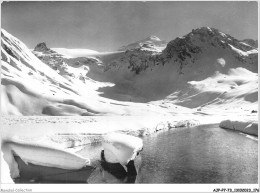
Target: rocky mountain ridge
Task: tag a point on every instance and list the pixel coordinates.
(42, 47)
(70, 68)
(188, 49)
(151, 51)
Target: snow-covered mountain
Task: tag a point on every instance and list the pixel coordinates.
(200, 44)
(30, 87)
(146, 75)
(210, 43)
(205, 68)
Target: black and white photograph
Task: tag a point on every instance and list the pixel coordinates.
(155, 95)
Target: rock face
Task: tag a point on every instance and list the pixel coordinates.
(42, 47)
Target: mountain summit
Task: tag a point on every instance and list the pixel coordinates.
(152, 38)
(152, 42)
(42, 47)
(205, 42)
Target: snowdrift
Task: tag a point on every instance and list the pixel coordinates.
(247, 127)
(47, 147)
(121, 148)
(40, 155)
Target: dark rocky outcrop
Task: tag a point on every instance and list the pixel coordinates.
(42, 47)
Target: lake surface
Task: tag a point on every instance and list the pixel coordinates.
(202, 154)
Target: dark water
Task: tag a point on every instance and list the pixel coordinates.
(203, 154)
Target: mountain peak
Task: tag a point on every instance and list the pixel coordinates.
(41, 47)
(208, 31)
(153, 37)
(204, 39)
(150, 42)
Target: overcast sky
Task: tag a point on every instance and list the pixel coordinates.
(106, 26)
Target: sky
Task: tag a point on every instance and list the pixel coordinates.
(107, 25)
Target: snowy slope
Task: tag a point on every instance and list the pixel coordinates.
(50, 93)
(237, 89)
